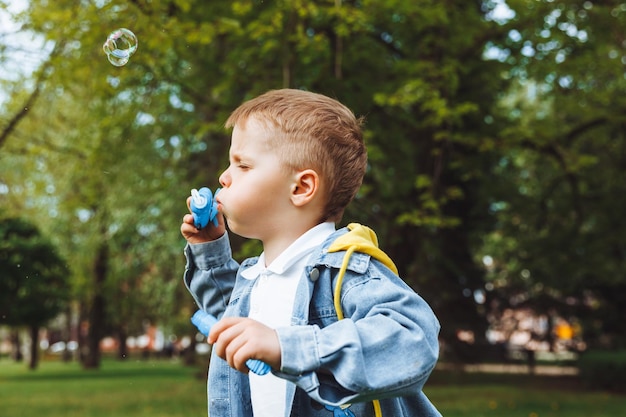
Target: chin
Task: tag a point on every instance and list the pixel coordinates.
(241, 231)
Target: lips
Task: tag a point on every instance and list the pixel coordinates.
(220, 206)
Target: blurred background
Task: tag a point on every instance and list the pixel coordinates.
(496, 138)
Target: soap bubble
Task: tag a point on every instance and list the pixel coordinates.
(120, 46)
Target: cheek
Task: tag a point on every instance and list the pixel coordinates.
(235, 199)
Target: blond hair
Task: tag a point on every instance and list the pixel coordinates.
(312, 131)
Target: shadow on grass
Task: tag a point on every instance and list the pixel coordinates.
(460, 378)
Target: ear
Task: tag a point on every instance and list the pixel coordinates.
(305, 187)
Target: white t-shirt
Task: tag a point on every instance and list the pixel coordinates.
(271, 303)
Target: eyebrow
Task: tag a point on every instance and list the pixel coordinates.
(238, 157)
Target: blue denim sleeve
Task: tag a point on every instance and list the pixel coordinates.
(210, 274)
(387, 345)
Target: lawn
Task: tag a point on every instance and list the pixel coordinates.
(157, 388)
(118, 389)
(519, 395)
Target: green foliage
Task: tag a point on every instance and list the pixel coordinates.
(486, 137)
(557, 205)
(33, 278)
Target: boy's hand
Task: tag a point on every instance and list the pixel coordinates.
(237, 339)
(206, 234)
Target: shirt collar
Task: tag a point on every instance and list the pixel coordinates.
(302, 246)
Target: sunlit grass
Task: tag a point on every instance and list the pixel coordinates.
(160, 388)
(133, 388)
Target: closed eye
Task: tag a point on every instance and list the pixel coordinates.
(238, 162)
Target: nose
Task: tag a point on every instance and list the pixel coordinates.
(225, 178)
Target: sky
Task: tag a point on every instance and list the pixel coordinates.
(24, 52)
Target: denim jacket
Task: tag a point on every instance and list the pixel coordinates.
(385, 348)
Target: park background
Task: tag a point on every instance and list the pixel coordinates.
(496, 138)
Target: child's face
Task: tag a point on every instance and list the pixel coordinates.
(255, 187)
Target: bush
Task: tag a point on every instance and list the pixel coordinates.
(600, 369)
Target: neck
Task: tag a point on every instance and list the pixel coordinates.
(274, 246)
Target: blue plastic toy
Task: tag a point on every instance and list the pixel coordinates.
(340, 411)
(204, 321)
(203, 207)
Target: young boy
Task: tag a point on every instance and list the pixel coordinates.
(296, 160)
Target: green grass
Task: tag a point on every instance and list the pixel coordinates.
(118, 389)
(162, 388)
(519, 395)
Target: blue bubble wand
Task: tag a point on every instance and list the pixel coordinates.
(203, 207)
(204, 321)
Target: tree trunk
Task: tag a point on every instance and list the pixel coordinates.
(122, 335)
(30, 101)
(189, 354)
(96, 314)
(67, 332)
(16, 352)
(34, 347)
(82, 332)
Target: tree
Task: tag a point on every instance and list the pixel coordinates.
(487, 136)
(102, 185)
(33, 280)
(555, 198)
(414, 69)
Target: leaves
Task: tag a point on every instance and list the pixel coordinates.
(500, 138)
(33, 281)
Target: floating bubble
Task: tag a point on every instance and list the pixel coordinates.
(120, 46)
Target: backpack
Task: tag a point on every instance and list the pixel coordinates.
(359, 239)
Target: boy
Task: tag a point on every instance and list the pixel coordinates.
(296, 160)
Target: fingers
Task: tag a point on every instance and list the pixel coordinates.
(188, 219)
(191, 232)
(219, 327)
(194, 235)
(229, 342)
(237, 339)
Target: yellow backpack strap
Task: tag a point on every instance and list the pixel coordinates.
(342, 272)
(359, 239)
(364, 240)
